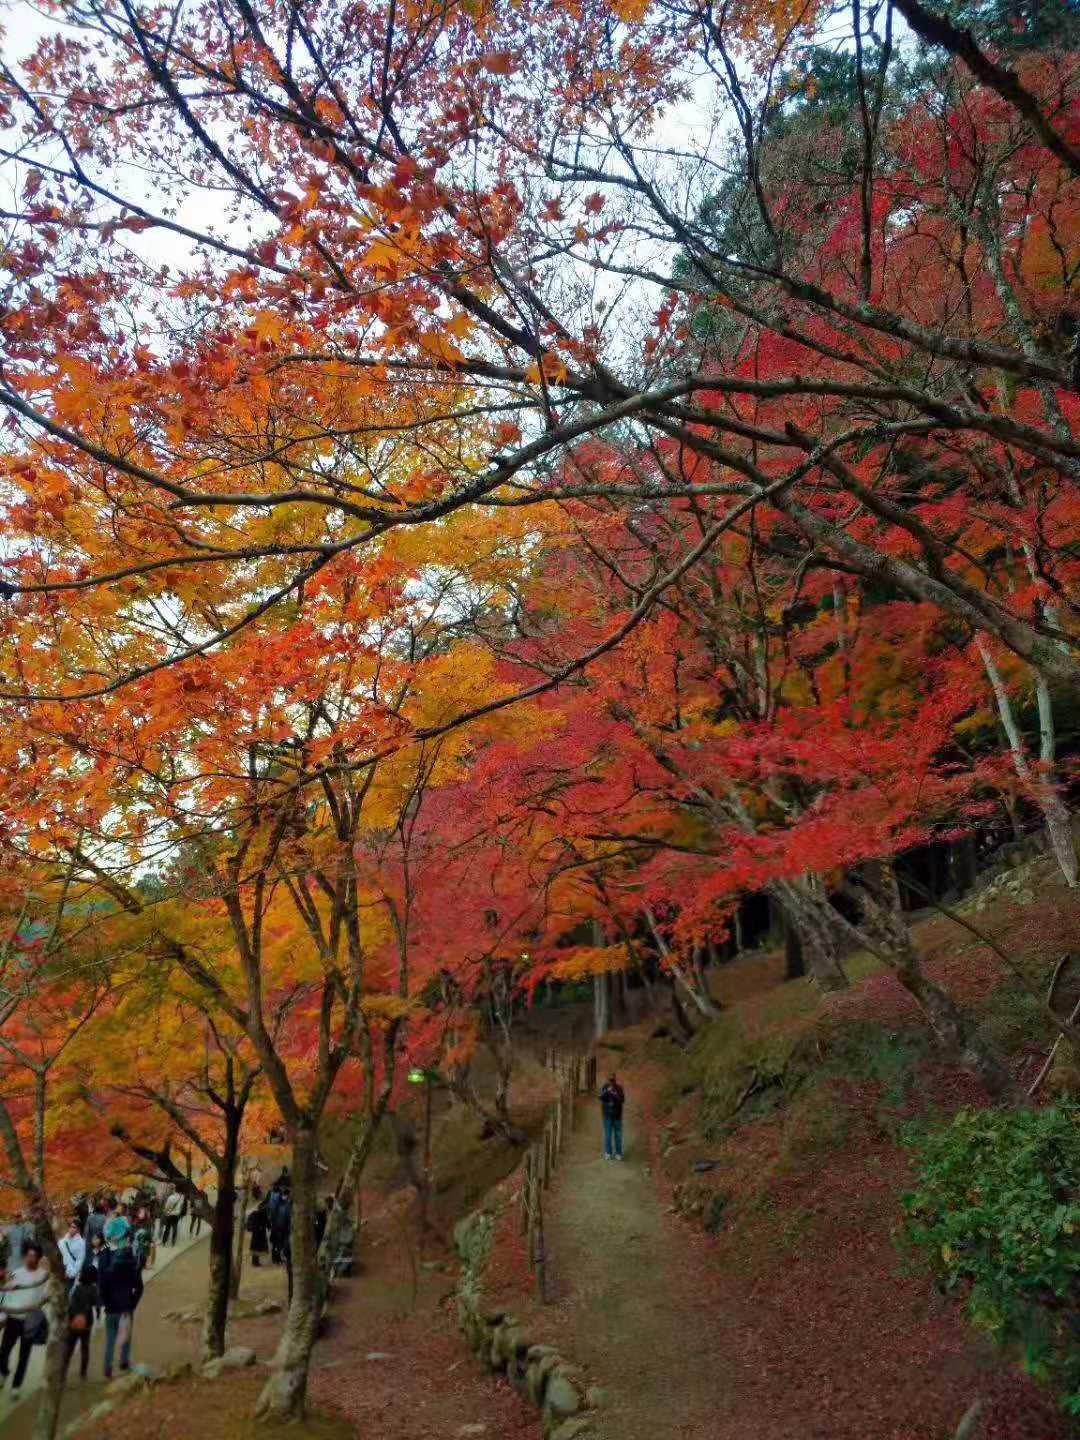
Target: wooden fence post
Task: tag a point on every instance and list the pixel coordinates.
(526, 1181)
(541, 1252)
(530, 1192)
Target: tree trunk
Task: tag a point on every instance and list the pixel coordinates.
(693, 982)
(1041, 788)
(794, 964)
(502, 1088)
(349, 1185)
(47, 1417)
(494, 1124)
(222, 1223)
(681, 1018)
(885, 932)
(705, 1000)
(285, 1392)
(804, 909)
(601, 1010)
(409, 1152)
(964, 863)
(240, 1221)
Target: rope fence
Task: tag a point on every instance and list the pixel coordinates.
(577, 1075)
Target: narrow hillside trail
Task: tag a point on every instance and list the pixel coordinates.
(618, 1278)
(694, 1342)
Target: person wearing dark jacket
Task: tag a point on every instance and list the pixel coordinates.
(120, 1287)
(142, 1237)
(612, 1100)
(280, 1225)
(279, 1211)
(322, 1215)
(81, 1304)
(258, 1227)
(97, 1257)
(95, 1223)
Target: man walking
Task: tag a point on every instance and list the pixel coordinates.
(19, 1235)
(22, 1300)
(120, 1289)
(612, 1100)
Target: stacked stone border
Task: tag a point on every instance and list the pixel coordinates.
(503, 1345)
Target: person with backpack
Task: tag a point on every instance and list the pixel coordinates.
(82, 1302)
(142, 1238)
(280, 1226)
(275, 1206)
(120, 1288)
(117, 1226)
(22, 1301)
(612, 1100)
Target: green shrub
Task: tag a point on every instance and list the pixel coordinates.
(996, 1211)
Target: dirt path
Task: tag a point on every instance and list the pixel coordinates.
(618, 1278)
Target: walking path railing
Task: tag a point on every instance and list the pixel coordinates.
(577, 1075)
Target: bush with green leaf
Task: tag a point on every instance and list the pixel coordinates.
(995, 1208)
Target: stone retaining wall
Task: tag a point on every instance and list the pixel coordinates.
(504, 1346)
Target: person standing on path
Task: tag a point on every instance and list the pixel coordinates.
(97, 1259)
(277, 1208)
(280, 1227)
(95, 1224)
(120, 1290)
(73, 1250)
(22, 1300)
(258, 1227)
(142, 1237)
(195, 1222)
(117, 1227)
(612, 1100)
(170, 1216)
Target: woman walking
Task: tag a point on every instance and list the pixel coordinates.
(142, 1238)
(81, 1305)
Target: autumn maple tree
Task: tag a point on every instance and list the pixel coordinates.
(487, 488)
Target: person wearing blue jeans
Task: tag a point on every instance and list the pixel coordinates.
(120, 1288)
(113, 1320)
(612, 1100)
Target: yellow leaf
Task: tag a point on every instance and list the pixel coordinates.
(438, 344)
(554, 370)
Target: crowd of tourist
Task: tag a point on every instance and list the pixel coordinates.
(107, 1244)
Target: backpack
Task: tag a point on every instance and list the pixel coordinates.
(122, 1282)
